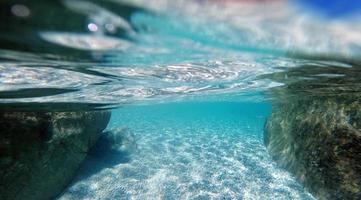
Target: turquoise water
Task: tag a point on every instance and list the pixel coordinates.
(189, 85)
(189, 150)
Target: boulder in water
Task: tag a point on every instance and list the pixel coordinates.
(314, 130)
(41, 151)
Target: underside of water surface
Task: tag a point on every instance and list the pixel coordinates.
(162, 99)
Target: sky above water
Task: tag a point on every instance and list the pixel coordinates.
(333, 8)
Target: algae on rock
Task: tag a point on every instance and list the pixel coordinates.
(41, 151)
(314, 130)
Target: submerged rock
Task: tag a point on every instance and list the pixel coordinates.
(314, 129)
(120, 139)
(320, 143)
(114, 146)
(41, 151)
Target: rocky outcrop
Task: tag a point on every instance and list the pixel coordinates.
(41, 151)
(319, 141)
(314, 129)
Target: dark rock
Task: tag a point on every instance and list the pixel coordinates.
(41, 151)
(314, 130)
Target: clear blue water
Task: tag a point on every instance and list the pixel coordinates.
(187, 82)
(189, 150)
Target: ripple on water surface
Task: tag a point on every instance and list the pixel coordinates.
(189, 151)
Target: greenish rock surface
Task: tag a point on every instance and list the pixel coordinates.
(314, 130)
(41, 151)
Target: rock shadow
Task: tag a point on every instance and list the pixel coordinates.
(113, 147)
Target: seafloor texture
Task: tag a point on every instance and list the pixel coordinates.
(314, 130)
(40, 151)
(185, 151)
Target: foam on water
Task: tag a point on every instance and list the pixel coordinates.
(189, 151)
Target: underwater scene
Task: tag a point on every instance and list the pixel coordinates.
(180, 99)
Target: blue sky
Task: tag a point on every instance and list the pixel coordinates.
(333, 8)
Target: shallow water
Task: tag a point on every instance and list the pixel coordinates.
(188, 151)
(189, 84)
